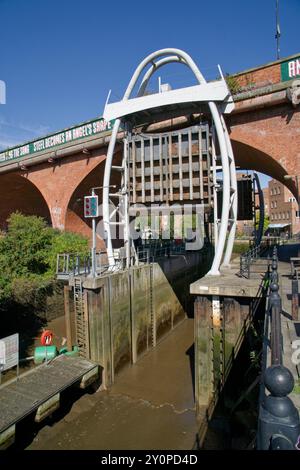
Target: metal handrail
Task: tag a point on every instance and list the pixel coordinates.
(247, 258)
(278, 421)
(74, 264)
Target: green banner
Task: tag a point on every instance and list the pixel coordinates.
(87, 129)
(290, 69)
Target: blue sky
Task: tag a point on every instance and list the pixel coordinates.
(59, 58)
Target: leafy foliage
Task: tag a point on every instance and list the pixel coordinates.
(24, 249)
(28, 254)
(233, 84)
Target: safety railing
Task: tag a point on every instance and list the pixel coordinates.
(74, 264)
(152, 250)
(278, 421)
(254, 306)
(70, 264)
(250, 256)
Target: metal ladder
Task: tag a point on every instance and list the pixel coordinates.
(80, 320)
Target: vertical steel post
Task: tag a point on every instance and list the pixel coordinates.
(127, 240)
(94, 242)
(215, 195)
(68, 317)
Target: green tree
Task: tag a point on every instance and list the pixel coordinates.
(28, 253)
(24, 249)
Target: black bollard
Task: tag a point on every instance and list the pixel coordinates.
(274, 273)
(295, 298)
(276, 335)
(278, 423)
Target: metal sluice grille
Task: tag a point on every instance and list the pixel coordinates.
(170, 167)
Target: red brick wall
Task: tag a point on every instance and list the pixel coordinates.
(260, 77)
(58, 181)
(268, 140)
(56, 191)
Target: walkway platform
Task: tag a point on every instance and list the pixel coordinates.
(229, 283)
(38, 390)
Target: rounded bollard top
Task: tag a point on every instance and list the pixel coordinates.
(279, 380)
(274, 264)
(274, 287)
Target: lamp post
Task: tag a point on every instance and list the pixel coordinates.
(291, 177)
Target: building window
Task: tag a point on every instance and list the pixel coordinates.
(272, 205)
(278, 190)
(275, 216)
(288, 215)
(275, 204)
(283, 215)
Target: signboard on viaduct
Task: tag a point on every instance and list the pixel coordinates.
(290, 69)
(66, 136)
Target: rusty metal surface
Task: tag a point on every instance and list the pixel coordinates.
(170, 167)
(21, 397)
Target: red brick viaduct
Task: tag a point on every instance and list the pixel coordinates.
(264, 129)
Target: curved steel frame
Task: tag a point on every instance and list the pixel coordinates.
(229, 202)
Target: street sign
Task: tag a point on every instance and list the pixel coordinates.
(91, 206)
(9, 352)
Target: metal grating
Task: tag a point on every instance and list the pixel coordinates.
(170, 167)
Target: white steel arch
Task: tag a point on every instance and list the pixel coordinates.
(229, 202)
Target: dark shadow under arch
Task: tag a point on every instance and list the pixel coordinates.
(19, 194)
(250, 158)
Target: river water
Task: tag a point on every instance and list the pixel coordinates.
(150, 406)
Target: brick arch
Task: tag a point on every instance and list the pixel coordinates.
(20, 194)
(58, 181)
(74, 217)
(251, 158)
(272, 134)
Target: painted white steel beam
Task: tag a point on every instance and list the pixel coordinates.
(214, 91)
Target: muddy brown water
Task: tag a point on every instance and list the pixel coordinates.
(150, 406)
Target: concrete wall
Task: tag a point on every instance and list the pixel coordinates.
(131, 311)
(220, 328)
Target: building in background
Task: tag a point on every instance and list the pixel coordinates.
(266, 201)
(283, 209)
